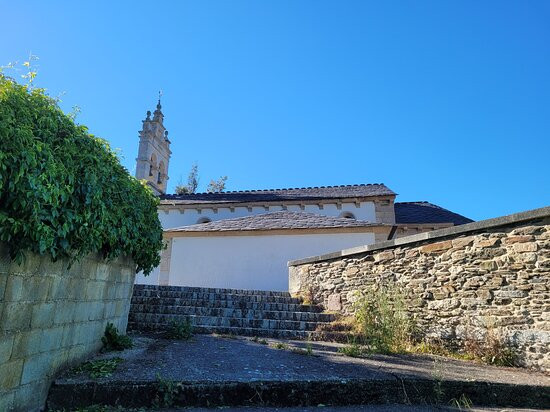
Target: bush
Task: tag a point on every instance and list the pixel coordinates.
(180, 330)
(492, 349)
(63, 191)
(382, 319)
(112, 340)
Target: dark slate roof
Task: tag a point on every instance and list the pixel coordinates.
(425, 212)
(275, 195)
(275, 221)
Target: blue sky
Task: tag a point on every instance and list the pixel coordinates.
(445, 101)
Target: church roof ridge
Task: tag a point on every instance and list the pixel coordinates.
(283, 219)
(313, 193)
(300, 188)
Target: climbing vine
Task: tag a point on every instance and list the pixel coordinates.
(63, 191)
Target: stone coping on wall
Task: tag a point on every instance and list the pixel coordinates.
(533, 214)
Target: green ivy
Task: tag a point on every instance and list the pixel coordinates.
(63, 191)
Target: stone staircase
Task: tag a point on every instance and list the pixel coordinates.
(226, 311)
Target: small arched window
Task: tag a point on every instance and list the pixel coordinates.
(160, 173)
(153, 164)
(204, 220)
(347, 215)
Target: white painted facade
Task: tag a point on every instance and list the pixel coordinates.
(250, 261)
(171, 217)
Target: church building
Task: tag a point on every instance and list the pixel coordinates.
(244, 239)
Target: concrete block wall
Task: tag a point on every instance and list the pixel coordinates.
(460, 281)
(52, 317)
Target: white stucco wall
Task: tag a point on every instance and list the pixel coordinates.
(247, 262)
(174, 218)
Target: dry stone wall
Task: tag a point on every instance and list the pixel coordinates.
(52, 317)
(460, 282)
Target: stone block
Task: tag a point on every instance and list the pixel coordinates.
(31, 397)
(483, 243)
(383, 256)
(64, 312)
(52, 339)
(35, 288)
(527, 230)
(488, 265)
(529, 257)
(445, 304)
(42, 315)
(3, 284)
(510, 293)
(26, 344)
(30, 265)
(58, 288)
(518, 239)
(11, 374)
(16, 317)
(14, 288)
(7, 401)
(525, 247)
(436, 247)
(37, 367)
(81, 311)
(96, 310)
(102, 271)
(351, 271)
(6, 345)
(334, 303)
(69, 336)
(462, 242)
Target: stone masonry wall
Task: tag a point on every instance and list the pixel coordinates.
(52, 317)
(459, 283)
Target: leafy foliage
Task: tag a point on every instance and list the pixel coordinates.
(192, 182)
(112, 340)
(180, 330)
(382, 318)
(63, 191)
(217, 186)
(99, 368)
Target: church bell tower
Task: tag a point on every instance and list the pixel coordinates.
(154, 152)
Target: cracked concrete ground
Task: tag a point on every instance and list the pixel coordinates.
(217, 360)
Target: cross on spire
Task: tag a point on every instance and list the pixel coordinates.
(160, 95)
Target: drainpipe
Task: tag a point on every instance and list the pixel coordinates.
(392, 232)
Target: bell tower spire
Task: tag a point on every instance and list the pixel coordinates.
(154, 151)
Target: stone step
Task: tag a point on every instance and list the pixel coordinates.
(163, 320)
(139, 287)
(230, 330)
(232, 312)
(215, 296)
(229, 304)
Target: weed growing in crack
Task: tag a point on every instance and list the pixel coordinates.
(353, 350)
(180, 330)
(439, 392)
(463, 403)
(256, 339)
(280, 345)
(112, 340)
(167, 392)
(308, 351)
(102, 368)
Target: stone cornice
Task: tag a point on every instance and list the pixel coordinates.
(273, 232)
(168, 205)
